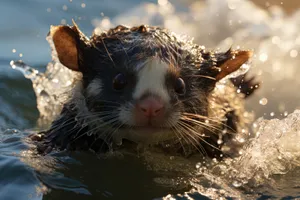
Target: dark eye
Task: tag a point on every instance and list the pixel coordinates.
(119, 82)
(180, 86)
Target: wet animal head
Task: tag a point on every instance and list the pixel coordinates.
(143, 81)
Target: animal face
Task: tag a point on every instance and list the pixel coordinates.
(144, 79)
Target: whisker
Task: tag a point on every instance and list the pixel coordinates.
(202, 124)
(206, 141)
(194, 141)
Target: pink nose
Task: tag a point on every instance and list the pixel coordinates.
(150, 106)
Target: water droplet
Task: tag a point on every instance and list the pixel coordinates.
(48, 9)
(21, 55)
(263, 57)
(272, 114)
(220, 141)
(254, 125)
(198, 165)
(263, 101)
(14, 50)
(275, 40)
(63, 21)
(236, 184)
(257, 133)
(89, 133)
(65, 7)
(83, 5)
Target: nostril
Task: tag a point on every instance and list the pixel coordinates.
(158, 110)
(150, 107)
(144, 109)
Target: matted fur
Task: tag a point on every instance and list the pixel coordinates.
(209, 115)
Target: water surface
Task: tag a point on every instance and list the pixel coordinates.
(269, 163)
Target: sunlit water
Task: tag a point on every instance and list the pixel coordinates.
(269, 165)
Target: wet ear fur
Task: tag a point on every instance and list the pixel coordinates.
(233, 61)
(66, 42)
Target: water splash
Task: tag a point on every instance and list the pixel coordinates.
(275, 39)
(51, 88)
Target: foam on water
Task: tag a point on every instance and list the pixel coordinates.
(275, 38)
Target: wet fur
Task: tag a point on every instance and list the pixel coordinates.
(129, 47)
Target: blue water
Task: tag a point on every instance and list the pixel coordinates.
(24, 25)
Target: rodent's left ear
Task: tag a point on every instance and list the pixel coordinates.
(66, 42)
(230, 62)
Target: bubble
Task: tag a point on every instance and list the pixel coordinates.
(198, 165)
(272, 114)
(255, 125)
(21, 55)
(14, 50)
(263, 101)
(65, 7)
(83, 5)
(275, 40)
(263, 57)
(236, 184)
(48, 9)
(63, 21)
(220, 141)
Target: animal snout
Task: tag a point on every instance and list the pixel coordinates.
(150, 107)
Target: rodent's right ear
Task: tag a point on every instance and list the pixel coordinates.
(65, 42)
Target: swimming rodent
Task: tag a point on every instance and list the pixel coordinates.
(146, 85)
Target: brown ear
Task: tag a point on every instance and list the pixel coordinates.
(65, 40)
(235, 61)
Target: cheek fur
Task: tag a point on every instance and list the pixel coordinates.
(94, 88)
(126, 114)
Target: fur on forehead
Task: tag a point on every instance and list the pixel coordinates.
(143, 42)
(151, 79)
